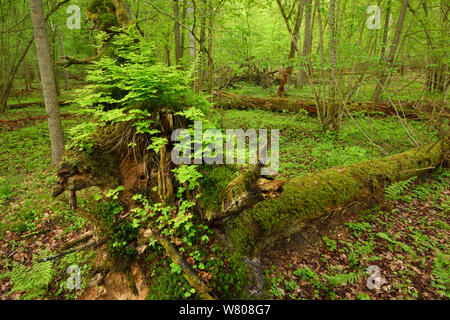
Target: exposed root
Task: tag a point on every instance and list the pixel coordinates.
(90, 244)
(81, 239)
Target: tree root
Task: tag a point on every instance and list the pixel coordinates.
(92, 243)
(81, 239)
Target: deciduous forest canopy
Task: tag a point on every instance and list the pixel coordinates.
(224, 149)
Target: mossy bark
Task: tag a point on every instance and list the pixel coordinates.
(228, 100)
(308, 197)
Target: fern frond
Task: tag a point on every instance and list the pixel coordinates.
(397, 189)
(342, 279)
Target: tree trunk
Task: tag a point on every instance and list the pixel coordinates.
(28, 75)
(298, 22)
(183, 20)
(201, 62)
(410, 109)
(307, 42)
(65, 72)
(47, 80)
(332, 118)
(390, 59)
(385, 30)
(176, 14)
(305, 199)
(210, 50)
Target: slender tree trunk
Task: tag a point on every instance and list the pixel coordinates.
(28, 75)
(291, 55)
(307, 41)
(390, 58)
(47, 80)
(201, 69)
(53, 47)
(176, 14)
(183, 31)
(65, 72)
(332, 106)
(386, 29)
(210, 49)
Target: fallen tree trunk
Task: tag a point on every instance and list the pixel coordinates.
(228, 100)
(35, 103)
(307, 198)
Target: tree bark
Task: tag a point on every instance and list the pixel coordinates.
(183, 31)
(308, 198)
(307, 41)
(210, 50)
(65, 72)
(390, 59)
(177, 38)
(201, 69)
(298, 22)
(47, 80)
(331, 122)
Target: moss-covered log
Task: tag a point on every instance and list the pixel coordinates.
(308, 197)
(228, 100)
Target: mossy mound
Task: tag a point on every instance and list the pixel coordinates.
(213, 184)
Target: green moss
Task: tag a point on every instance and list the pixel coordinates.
(213, 186)
(165, 284)
(308, 197)
(230, 276)
(103, 14)
(101, 6)
(107, 20)
(120, 232)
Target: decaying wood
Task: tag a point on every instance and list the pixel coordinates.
(243, 191)
(307, 198)
(81, 239)
(227, 100)
(90, 244)
(36, 103)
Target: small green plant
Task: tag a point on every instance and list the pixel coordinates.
(32, 281)
(307, 274)
(330, 243)
(343, 279)
(363, 296)
(400, 244)
(441, 274)
(396, 190)
(359, 228)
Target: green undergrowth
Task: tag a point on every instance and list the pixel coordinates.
(225, 274)
(306, 148)
(27, 179)
(404, 238)
(399, 89)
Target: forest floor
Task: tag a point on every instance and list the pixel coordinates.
(406, 236)
(405, 239)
